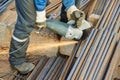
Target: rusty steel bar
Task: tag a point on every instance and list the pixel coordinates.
(95, 56)
(107, 58)
(107, 8)
(108, 14)
(117, 27)
(110, 31)
(70, 61)
(90, 55)
(84, 4)
(113, 63)
(53, 6)
(100, 52)
(102, 57)
(59, 71)
(112, 14)
(38, 68)
(103, 6)
(83, 57)
(114, 23)
(46, 68)
(100, 6)
(91, 9)
(55, 70)
(72, 73)
(58, 60)
(96, 6)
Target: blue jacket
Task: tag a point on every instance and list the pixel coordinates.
(41, 4)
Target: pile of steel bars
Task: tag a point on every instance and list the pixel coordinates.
(98, 57)
(93, 60)
(4, 4)
(82, 4)
(48, 68)
(97, 6)
(53, 5)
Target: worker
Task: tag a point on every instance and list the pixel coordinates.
(30, 13)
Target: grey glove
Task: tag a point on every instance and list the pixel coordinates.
(75, 14)
(78, 16)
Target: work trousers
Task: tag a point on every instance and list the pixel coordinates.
(24, 25)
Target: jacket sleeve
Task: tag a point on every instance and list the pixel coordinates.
(40, 4)
(68, 3)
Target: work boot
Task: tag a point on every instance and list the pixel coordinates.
(24, 68)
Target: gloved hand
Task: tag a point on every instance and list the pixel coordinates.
(75, 14)
(40, 19)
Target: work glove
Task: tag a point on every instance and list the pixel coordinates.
(40, 19)
(75, 14)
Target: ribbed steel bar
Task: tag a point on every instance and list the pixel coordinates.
(5, 3)
(89, 40)
(112, 14)
(91, 53)
(108, 14)
(100, 52)
(55, 70)
(53, 6)
(98, 49)
(96, 6)
(84, 4)
(107, 56)
(91, 9)
(58, 60)
(70, 61)
(38, 68)
(46, 68)
(105, 12)
(102, 57)
(117, 27)
(81, 63)
(108, 37)
(102, 6)
(59, 70)
(106, 59)
(113, 63)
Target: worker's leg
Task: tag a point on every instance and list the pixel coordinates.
(24, 26)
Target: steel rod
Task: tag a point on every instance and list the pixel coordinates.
(70, 61)
(60, 69)
(95, 56)
(76, 68)
(106, 60)
(109, 34)
(46, 68)
(113, 63)
(38, 68)
(91, 54)
(103, 14)
(52, 68)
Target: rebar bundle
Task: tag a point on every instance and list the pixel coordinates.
(93, 60)
(4, 4)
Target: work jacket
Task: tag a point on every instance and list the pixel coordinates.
(41, 4)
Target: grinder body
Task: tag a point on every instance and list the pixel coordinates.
(67, 30)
